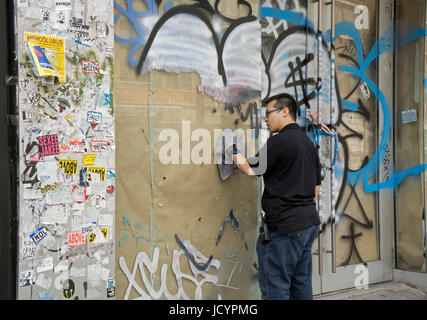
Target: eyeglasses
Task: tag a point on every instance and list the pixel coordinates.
(268, 112)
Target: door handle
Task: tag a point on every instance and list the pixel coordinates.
(318, 252)
(333, 247)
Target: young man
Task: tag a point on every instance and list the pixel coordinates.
(291, 184)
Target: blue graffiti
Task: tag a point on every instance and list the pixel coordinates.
(138, 34)
(44, 296)
(383, 45)
(386, 43)
(107, 99)
(349, 105)
(371, 168)
(296, 18)
(395, 180)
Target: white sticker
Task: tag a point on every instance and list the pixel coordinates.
(27, 278)
(55, 214)
(105, 273)
(77, 272)
(78, 207)
(62, 195)
(105, 219)
(87, 228)
(101, 29)
(31, 194)
(44, 281)
(45, 265)
(37, 13)
(47, 171)
(93, 271)
(22, 3)
(79, 10)
(109, 134)
(409, 116)
(111, 204)
(63, 4)
(45, 3)
(98, 201)
(364, 88)
(28, 248)
(62, 266)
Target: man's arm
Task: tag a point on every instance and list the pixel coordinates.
(243, 164)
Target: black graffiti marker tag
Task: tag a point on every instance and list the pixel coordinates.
(190, 256)
(297, 70)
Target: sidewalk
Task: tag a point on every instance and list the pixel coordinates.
(392, 290)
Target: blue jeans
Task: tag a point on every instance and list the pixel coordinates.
(285, 266)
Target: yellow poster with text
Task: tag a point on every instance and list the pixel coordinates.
(48, 54)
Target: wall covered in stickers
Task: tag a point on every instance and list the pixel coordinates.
(67, 149)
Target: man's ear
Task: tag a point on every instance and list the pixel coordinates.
(285, 111)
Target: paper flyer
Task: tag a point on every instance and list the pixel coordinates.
(48, 54)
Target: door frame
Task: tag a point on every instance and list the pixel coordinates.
(325, 278)
(9, 153)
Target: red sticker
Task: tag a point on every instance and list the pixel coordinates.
(90, 66)
(79, 194)
(75, 238)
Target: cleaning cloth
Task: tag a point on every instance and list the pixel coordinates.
(223, 153)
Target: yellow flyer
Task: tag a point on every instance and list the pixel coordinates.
(48, 54)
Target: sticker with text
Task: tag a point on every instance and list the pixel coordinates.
(99, 146)
(69, 165)
(76, 238)
(79, 194)
(77, 146)
(96, 174)
(94, 117)
(49, 145)
(39, 235)
(89, 159)
(90, 66)
(111, 288)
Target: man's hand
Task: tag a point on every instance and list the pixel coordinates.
(242, 163)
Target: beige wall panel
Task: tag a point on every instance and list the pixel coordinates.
(159, 205)
(409, 140)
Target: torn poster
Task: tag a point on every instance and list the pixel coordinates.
(48, 54)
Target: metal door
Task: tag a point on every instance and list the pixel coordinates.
(354, 247)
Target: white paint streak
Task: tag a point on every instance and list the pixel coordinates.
(185, 44)
(142, 260)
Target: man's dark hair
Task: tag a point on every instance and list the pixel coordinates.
(284, 100)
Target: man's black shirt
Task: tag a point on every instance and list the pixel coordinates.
(293, 171)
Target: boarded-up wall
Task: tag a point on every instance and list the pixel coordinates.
(182, 232)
